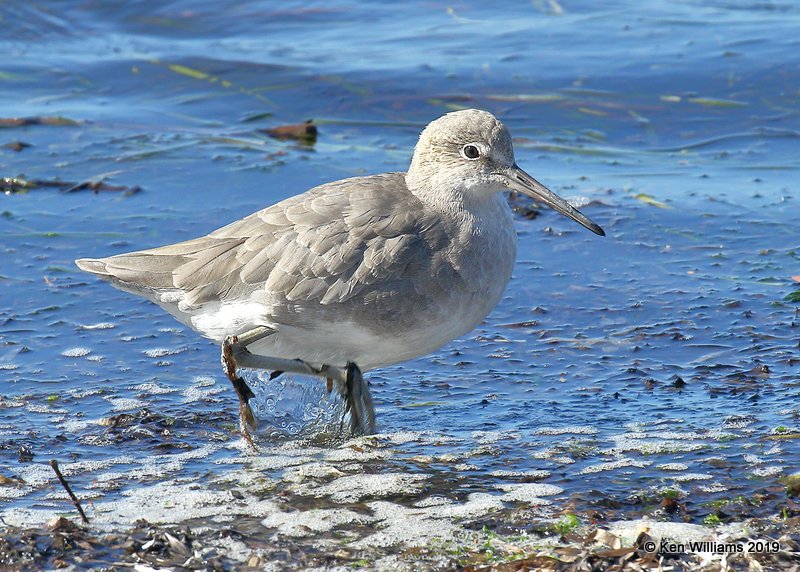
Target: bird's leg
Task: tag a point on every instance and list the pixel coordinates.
(247, 421)
(349, 381)
(359, 401)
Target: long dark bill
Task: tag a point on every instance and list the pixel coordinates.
(519, 180)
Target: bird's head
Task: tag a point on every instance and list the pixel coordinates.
(469, 152)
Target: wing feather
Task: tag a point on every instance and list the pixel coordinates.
(326, 245)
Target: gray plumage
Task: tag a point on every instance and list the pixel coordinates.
(372, 270)
(325, 245)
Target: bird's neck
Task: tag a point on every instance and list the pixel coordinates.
(466, 197)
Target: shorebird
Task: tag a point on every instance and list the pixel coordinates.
(355, 274)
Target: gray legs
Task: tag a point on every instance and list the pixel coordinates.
(359, 400)
(348, 380)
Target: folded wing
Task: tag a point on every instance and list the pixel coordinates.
(326, 245)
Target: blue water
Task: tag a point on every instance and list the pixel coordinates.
(674, 124)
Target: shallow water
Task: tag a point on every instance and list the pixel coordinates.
(674, 125)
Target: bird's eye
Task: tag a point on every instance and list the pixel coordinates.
(470, 151)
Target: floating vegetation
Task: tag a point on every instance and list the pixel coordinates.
(15, 185)
(200, 75)
(713, 102)
(16, 145)
(793, 297)
(257, 116)
(650, 200)
(595, 112)
(303, 132)
(450, 106)
(56, 120)
(527, 97)
(567, 524)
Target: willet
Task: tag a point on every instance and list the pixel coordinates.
(355, 274)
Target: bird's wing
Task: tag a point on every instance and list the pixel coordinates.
(326, 245)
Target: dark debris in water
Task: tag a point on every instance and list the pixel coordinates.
(16, 145)
(56, 120)
(303, 132)
(15, 185)
(61, 544)
(523, 206)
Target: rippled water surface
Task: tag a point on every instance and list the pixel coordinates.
(662, 357)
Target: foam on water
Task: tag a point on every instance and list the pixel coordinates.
(76, 352)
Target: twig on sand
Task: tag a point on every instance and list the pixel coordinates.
(65, 484)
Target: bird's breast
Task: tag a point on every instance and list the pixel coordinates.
(485, 260)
